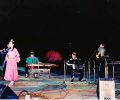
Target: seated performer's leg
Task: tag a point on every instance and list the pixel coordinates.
(26, 72)
(72, 74)
(81, 74)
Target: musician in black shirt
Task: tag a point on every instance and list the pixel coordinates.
(76, 66)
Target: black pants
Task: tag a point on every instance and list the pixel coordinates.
(26, 70)
(100, 68)
(75, 71)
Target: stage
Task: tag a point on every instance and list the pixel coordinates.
(55, 87)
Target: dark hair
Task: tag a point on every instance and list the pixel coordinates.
(74, 53)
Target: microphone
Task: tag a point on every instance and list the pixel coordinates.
(9, 47)
(2, 50)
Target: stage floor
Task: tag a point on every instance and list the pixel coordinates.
(53, 88)
(56, 87)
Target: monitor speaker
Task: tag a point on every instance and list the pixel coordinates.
(106, 89)
(7, 93)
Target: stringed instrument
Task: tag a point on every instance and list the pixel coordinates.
(98, 56)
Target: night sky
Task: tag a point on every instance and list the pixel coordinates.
(63, 25)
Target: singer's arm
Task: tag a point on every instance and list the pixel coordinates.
(4, 51)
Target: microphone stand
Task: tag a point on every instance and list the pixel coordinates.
(64, 83)
(94, 70)
(84, 71)
(89, 64)
(64, 71)
(92, 55)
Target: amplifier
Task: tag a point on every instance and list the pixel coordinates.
(106, 90)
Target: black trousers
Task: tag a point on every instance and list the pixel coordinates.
(77, 71)
(100, 68)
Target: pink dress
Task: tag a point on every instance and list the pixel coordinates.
(11, 72)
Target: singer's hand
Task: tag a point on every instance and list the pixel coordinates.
(1, 50)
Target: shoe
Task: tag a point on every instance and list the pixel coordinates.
(36, 76)
(26, 76)
(72, 80)
(11, 83)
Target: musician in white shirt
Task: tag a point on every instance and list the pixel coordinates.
(101, 51)
(76, 65)
(101, 56)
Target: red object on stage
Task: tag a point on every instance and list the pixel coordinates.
(54, 56)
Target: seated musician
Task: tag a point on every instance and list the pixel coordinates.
(30, 60)
(76, 65)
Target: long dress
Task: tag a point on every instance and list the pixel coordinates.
(11, 72)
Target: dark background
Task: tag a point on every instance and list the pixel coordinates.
(63, 25)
